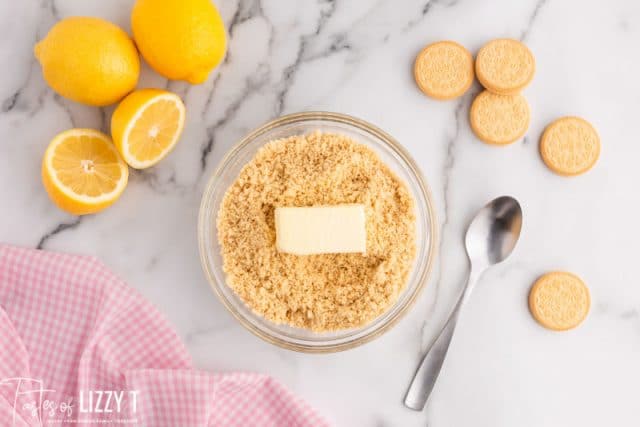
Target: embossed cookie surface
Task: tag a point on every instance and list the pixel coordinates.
(570, 146)
(499, 119)
(505, 66)
(444, 70)
(559, 300)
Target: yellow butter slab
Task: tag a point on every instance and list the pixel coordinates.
(321, 229)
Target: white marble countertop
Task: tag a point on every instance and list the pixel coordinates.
(356, 57)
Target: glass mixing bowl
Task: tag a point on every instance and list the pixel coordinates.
(392, 153)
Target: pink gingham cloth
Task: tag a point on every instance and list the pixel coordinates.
(71, 330)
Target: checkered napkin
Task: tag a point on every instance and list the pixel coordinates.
(78, 346)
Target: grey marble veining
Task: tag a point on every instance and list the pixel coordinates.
(356, 57)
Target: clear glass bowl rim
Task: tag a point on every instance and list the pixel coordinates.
(204, 218)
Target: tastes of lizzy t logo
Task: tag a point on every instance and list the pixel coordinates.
(30, 399)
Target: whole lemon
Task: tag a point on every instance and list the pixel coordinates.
(180, 39)
(89, 60)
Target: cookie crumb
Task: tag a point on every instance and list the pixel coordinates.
(319, 292)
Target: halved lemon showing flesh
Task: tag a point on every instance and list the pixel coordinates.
(82, 171)
(146, 125)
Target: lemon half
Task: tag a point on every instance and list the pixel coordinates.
(147, 125)
(82, 172)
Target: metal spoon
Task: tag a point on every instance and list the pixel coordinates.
(491, 237)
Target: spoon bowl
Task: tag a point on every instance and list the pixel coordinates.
(494, 232)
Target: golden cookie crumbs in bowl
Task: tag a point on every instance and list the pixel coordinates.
(327, 302)
(326, 291)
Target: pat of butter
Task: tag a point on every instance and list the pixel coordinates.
(321, 229)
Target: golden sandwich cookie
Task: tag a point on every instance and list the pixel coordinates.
(505, 66)
(444, 70)
(559, 301)
(499, 119)
(570, 146)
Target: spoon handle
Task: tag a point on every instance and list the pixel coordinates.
(425, 377)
